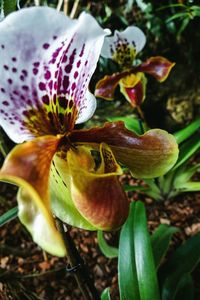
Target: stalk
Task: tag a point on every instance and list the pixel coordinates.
(77, 266)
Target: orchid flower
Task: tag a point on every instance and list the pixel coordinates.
(123, 48)
(46, 64)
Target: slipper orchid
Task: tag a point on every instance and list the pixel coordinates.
(46, 63)
(123, 48)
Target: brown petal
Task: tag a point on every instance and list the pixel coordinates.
(105, 88)
(158, 66)
(149, 155)
(97, 194)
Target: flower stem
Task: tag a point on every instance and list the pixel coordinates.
(77, 266)
(140, 112)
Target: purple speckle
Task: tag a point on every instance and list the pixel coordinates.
(2, 47)
(64, 59)
(82, 50)
(5, 103)
(78, 64)
(45, 99)
(46, 46)
(55, 86)
(24, 72)
(14, 70)
(42, 86)
(22, 78)
(35, 71)
(66, 82)
(2, 90)
(29, 102)
(10, 81)
(47, 75)
(6, 67)
(14, 59)
(50, 84)
(25, 113)
(25, 87)
(36, 64)
(71, 103)
(75, 74)
(68, 68)
(16, 92)
(72, 57)
(62, 102)
(55, 37)
(73, 86)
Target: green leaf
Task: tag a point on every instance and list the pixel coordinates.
(137, 274)
(178, 16)
(107, 250)
(128, 283)
(185, 289)
(146, 272)
(9, 216)
(172, 5)
(191, 186)
(106, 294)
(131, 123)
(160, 240)
(185, 133)
(187, 149)
(184, 175)
(184, 24)
(9, 6)
(183, 260)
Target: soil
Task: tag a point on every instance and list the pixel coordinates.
(47, 277)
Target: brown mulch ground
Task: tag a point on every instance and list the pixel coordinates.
(19, 255)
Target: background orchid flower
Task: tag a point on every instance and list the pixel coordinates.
(46, 64)
(123, 48)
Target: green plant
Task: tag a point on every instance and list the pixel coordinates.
(142, 273)
(181, 16)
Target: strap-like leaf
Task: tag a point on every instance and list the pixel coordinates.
(107, 250)
(106, 294)
(184, 175)
(183, 260)
(185, 290)
(137, 274)
(191, 186)
(9, 216)
(187, 150)
(186, 132)
(160, 241)
(128, 283)
(146, 272)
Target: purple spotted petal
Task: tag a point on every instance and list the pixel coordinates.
(46, 63)
(124, 45)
